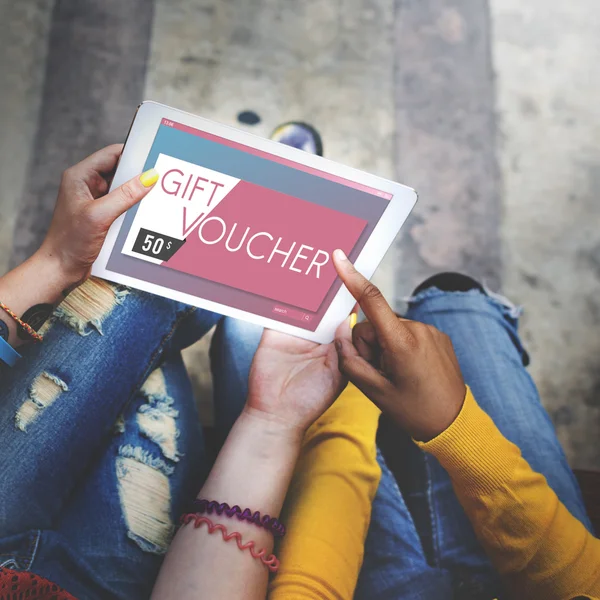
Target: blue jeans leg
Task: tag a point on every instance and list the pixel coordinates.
(59, 404)
(484, 334)
(117, 526)
(395, 566)
(232, 350)
(58, 410)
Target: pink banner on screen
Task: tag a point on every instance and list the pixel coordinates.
(270, 244)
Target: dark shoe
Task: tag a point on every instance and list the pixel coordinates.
(299, 135)
(450, 282)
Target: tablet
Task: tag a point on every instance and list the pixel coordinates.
(245, 226)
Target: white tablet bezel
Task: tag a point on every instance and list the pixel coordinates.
(141, 137)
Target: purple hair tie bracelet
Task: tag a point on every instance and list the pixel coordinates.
(204, 506)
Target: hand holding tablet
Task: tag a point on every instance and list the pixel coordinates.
(245, 226)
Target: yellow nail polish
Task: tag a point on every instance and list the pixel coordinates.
(353, 319)
(150, 177)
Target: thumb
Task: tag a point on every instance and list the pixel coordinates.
(121, 199)
(362, 374)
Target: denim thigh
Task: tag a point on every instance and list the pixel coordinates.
(395, 566)
(112, 533)
(60, 410)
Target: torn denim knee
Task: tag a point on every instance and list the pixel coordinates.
(156, 418)
(86, 307)
(142, 476)
(44, 391)
(509, 309)
(145, 496)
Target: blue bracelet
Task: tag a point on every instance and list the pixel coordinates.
(8, 354)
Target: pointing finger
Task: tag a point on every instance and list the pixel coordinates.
(371, 300)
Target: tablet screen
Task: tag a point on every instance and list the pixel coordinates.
(242, 227)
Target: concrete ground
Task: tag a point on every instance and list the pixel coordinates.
(489, 108)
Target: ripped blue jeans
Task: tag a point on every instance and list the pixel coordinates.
(100, 441)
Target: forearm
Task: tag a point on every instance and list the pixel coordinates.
(252, 470)
(532, 539)
(38, 282)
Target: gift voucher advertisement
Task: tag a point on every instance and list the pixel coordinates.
(242, 227)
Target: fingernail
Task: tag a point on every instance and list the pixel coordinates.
(353, 319)
(340, 255)
(338, 345)
(150, 177)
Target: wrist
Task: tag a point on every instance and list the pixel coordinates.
(255, 465)
(271, 428)
(439, 418)
(55, 268)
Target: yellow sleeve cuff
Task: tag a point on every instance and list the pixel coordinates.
(473, 451)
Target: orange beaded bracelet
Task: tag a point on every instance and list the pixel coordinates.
(34, 334)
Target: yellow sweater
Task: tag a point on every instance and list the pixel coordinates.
(543, 552)
(328, 507)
